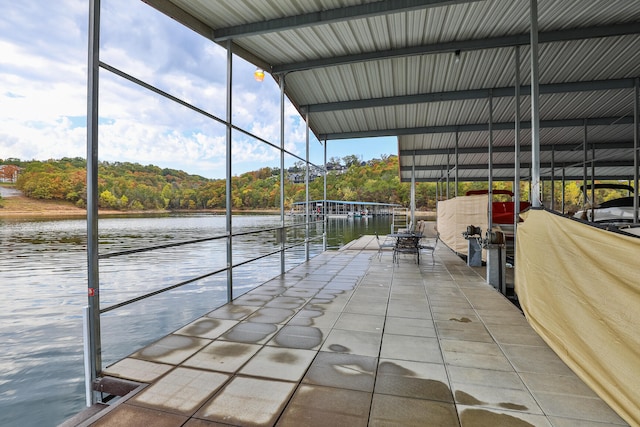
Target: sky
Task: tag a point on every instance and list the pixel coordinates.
(43, 87)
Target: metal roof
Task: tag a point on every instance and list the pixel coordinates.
(427, 71)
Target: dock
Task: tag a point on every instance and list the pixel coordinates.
(352, 339)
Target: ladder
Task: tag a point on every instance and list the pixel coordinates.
(400, 219)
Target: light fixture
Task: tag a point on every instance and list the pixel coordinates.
(457, 55)
(258, 74)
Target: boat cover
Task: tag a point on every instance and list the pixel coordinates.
(454, 215)
(579, 287)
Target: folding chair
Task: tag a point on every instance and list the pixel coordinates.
(431, 248)
(383, 245)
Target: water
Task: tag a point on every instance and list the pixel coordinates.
(43, 287)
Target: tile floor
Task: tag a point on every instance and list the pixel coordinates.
(349, 339)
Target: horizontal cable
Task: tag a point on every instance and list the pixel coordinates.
(153, 248)
(168, 288)
(195, 279)
(205, 239)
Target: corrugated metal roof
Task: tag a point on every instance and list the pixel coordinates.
(359, 67)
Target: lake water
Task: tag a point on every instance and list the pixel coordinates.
(43, 288)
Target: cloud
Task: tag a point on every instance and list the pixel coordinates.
(43, 91)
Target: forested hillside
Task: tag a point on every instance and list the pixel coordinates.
(131, 186)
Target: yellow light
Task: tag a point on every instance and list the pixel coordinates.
(258, 74)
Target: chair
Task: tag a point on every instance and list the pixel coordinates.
(383, 245)
(407, 245)
(431, 248)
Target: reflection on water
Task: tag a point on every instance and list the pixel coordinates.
(43, 287)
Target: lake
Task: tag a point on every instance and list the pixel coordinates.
(43, 288)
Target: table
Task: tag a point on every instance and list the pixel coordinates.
(406, 243)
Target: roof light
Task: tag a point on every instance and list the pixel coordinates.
(258, 74)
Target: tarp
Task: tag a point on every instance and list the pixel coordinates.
(579, 287)
(454, 215)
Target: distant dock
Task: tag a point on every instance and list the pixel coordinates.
(344, 208)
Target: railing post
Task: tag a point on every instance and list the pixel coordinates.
(306, 190)
(282, 193)
(324, 201)
(88, 355)
(229, 176)
(92, 338)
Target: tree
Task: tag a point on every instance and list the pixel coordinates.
(107, 200)
(351, 160)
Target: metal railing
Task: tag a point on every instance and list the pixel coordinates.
(282, 234)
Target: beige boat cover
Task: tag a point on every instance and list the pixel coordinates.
(454, 215)
(579, 287)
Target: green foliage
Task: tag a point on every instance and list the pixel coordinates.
(121, 186)
(131, 186)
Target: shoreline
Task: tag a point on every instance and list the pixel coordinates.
(24, 207)
(18, 207)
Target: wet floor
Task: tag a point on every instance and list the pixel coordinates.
(351, 339)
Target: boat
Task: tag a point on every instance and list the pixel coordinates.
(502, 213)
(615, 213)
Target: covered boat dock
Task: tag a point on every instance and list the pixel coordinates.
(344, 208)
(474, 90)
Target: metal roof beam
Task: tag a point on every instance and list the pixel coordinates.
(461, 95)
(171, 10)
(188, 20)
(478, 127)
(474, 44)
(546, 165)
(510, 178)
(523, 148)
(324, 17)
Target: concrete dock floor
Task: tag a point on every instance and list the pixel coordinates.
(350, 339)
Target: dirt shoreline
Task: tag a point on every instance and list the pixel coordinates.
(24, 207)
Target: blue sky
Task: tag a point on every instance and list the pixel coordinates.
(43, 86)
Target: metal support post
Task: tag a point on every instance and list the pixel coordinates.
(535, 109)
(456, 174)
(448, 173)
(413, 189)
(324, 205)
(228, 186)
(282, 193)
(593, 182)
(490, 171)
(564, 185)
(530, 186)
(553, 178)
(636, 146)
(93, 345)
(88, 369)
(584, 165)
(306, 191)
(516, 166)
